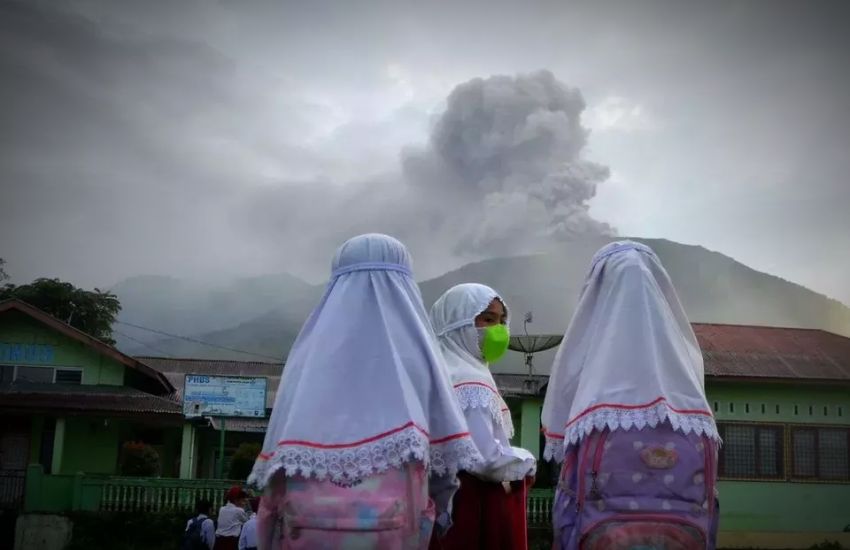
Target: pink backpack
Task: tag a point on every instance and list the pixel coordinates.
(638, 489)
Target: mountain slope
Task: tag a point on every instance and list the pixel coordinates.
(179, 307)
(713, 288)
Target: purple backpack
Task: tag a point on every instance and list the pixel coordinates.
(638, 489)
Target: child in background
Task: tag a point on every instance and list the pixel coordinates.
(231, 517)
(248, 538)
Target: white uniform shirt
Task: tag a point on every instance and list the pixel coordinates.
(231, 518)
(501, 461)
(248, 538)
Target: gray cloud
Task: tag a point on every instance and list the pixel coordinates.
(514, 146)
(202, 138)
(502, 174)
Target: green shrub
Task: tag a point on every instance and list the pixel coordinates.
(243, 460)
(139, 459)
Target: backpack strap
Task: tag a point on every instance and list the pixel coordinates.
(592, 462)
(710, 472)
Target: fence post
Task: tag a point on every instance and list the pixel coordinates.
(32, 493)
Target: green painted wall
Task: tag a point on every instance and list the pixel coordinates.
(758, 506)
(530, 433)
(797, 403)
(36, 427)
(169, 451)
(17, 328)
(90, 446)
(783, 506)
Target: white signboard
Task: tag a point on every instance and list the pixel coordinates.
(205, 395)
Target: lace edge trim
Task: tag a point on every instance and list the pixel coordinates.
(482, 397)
(619, 419)
(352, 465)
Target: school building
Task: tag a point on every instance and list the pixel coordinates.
(69, 403)
(781, 397)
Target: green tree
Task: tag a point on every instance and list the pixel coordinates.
(91, 311)
(3, 275)
(139, 459)
(243, 460)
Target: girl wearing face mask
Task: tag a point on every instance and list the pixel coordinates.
(471, 323)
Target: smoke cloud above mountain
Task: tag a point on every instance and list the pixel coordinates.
(502, 173)
(512, 147)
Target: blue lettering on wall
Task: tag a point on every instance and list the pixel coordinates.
(26, 353)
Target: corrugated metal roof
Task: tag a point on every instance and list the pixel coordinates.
(770, 352)
(253, 425)
(176, 369)
(729, 351)
(85, 399)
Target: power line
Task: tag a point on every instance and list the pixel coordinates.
(136, 340)
(196, 341)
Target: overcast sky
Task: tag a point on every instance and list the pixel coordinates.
(209, 140)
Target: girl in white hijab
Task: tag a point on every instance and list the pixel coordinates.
(364, 424)
(626, 414)
(471, 322)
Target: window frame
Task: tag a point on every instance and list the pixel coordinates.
(73, 369)
(51, 367)
(816, 478)
(781, 453)
(54, 369)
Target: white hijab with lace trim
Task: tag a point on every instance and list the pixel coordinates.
(364, 388)
(629, 357)
(453, 317)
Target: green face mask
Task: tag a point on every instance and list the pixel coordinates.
(494, 342)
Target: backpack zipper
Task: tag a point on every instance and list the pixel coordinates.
(628, 518)
(597, 462)
(594, 472)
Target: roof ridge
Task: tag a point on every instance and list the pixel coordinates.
(200, 359)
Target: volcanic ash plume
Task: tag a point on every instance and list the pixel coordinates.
(508, 151)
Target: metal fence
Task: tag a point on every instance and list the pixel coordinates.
(12, 489)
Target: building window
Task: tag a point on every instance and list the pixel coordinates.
(820, 454)
(7, 374)
(38, 375)
(751, 451)
(69, 376)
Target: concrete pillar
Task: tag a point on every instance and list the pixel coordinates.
(530, 434)
(187, 452)
(58, 446)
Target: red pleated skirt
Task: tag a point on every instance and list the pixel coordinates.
(484, 516)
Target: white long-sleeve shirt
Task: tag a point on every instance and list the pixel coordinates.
(207, 529)
(230, 520)
(248, 538)
(501, 461)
